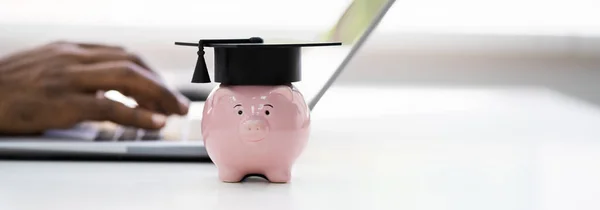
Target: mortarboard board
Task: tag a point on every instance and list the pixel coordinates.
(250, 61)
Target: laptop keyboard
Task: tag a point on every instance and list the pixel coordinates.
(127, 134)
(110, 132)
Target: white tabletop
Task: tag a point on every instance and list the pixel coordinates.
(398, 148)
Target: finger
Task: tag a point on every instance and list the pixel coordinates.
(16, 56)
(104, 109)
(129, 79)
(98, 46)
(140, 102)
(91, 53)
(25, 57)
(97, 55)
(151, 105)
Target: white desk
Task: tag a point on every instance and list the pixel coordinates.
(414, 149)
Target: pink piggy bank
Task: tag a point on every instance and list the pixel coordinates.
(255, 130)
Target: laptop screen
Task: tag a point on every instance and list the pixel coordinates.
(322, 65)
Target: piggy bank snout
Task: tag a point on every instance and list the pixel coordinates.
(254, 130)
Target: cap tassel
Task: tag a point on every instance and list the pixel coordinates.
(201, 71)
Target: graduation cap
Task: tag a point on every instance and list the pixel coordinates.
(250, 61)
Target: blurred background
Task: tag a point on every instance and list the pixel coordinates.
(547, 43)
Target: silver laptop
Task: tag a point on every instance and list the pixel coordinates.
(181, 140)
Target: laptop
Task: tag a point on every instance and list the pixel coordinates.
(181, 139)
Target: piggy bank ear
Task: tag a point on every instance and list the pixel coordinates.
(220, 94)
(283, 91)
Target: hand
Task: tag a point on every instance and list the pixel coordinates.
(56, 86)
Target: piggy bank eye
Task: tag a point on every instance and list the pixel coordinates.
(267, 112)
(240, 112)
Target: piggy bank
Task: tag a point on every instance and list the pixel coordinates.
(255, 130)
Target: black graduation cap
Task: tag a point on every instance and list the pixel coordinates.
(250, 61)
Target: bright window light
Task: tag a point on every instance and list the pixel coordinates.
(549, 17)
(525, 17)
